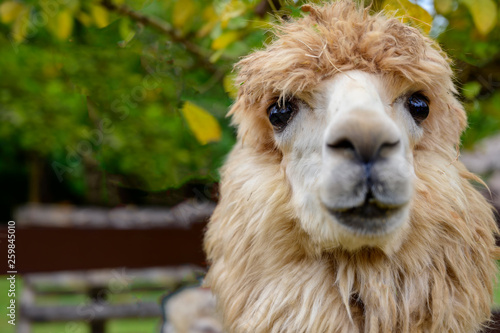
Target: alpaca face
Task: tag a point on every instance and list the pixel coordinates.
(346, 99)
(347, 147)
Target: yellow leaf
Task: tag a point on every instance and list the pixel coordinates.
(443, 6)
(203, 125)
(211, 19)
(233, 9)
(84, 18)
(229, 86)
(51, 70)
(225, 39)
(10, 10)
(409, 12)
(206, 29)
(261, 25)
(209, 13)
(484, 14)
(21, 26)
(63, 24)
(216, 56)
(125, 32)
(184, 11)
(100, 15)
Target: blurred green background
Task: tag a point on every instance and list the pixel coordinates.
(116, 102)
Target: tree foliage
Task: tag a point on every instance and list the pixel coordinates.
(140, 88)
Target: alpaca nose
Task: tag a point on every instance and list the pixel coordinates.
(365, 137)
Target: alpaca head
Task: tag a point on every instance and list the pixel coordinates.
(346, 100)
(343, 205)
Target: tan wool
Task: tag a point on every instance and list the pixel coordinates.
(271, 274)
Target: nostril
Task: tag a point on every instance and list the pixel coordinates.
(342, 144)
(388, 148)
(390, 144)
(367, 151)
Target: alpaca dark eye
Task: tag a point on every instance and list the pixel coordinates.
(280, 114)
(418, 105)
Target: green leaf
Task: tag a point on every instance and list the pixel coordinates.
(471, 89)
(203, 125)
(126, 33)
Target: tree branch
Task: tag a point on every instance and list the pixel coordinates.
(164, 28)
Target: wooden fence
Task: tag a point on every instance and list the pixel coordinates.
(69, 250)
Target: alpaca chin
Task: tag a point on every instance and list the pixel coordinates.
(385, 234)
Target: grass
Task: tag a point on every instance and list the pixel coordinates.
(146, 325)
(496, 295)
(113, 326)
(5, 327)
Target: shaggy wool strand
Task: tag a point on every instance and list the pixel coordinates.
(267, 273)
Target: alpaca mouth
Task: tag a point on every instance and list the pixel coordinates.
(372, 217)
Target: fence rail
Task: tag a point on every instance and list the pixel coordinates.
(66, 250)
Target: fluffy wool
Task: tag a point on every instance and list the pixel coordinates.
(270, 275)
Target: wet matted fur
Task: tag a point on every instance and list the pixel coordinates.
(271, 273)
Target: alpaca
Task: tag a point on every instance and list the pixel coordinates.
(191, 310)
(343, 206)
